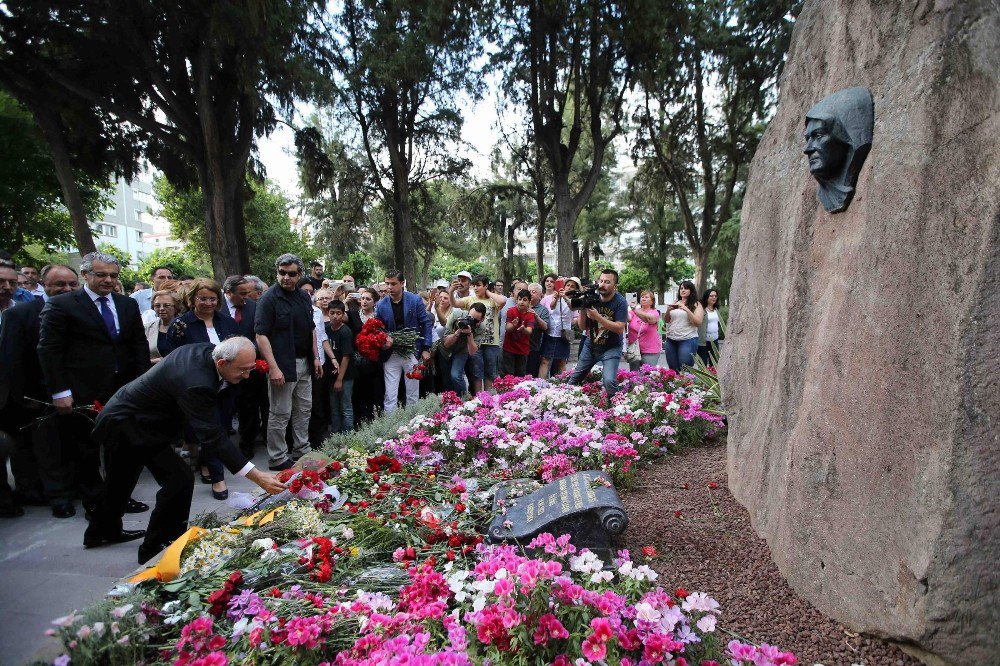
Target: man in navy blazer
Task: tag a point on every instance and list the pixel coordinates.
(401, 309)
(91, 342)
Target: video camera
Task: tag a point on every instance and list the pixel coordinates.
(581, 299)
(467, 322)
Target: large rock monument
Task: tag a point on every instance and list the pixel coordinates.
(862, 363)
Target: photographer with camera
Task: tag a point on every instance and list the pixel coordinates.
(461, 342)
(488, 333)
(604, 315)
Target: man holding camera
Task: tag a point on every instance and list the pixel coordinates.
(604, 324)
(462, 344)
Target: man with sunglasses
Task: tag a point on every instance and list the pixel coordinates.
(91, 342)
(286, 337)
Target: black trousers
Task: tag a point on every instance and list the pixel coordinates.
(125, 454)
(78, 470)
(252, 409)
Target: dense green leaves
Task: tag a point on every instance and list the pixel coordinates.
(31, 208)
(266, 213)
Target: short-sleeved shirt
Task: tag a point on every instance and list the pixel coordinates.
(488, 331)
(517, 341)
(541, 313)
(616, 310)
(342, 344)
(286, 318)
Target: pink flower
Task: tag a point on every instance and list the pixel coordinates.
(549, 627)
(602, 629)
(594, 650)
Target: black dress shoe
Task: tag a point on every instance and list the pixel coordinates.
(92, 539)
(280, 467)
(63, 511)
(88, 509)
(221, 494)
(148, 551)
(11, 512)
(205, 479)
(134, 506)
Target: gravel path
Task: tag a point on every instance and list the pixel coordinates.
(712, 547)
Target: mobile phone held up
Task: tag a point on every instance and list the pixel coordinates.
(559, 284)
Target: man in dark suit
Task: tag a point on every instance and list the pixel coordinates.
(141, 421)
(91, 342)
(38, 459)
(251, 397)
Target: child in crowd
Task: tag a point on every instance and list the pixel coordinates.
(517, 342)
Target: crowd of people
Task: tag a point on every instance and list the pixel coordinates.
(185, 363)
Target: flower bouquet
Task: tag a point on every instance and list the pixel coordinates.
(372, 337)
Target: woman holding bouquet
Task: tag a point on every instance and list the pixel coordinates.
(369, 388)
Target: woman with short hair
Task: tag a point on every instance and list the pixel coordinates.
(167, 306)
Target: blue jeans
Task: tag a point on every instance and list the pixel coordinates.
(341, 408)
(680, 353)
(609, 358)
(491, 361)
(459, 362)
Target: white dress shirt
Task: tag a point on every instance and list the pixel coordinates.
(114, 311)
(39, 290)
(321, 335)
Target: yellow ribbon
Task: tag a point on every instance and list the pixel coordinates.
(169, 566)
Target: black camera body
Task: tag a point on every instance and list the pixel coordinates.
(466, 322)
(581, 299)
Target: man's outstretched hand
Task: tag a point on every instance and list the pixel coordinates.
(266, 480)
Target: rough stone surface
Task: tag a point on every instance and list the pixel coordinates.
(862, 365)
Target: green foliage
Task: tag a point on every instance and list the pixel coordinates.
(723, 258)
(266, 213)
(358, 265)
(181, 262)
(445, 267)
(127, 276)
(31, 208)
(632, 279)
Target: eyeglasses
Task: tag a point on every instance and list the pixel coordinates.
(163, 306)
(101, 275)
(288, 273)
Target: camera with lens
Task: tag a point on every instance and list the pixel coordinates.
(467, 322)
(581, 299)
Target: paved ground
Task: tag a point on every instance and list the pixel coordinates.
(45, 572)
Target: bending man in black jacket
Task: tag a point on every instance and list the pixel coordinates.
(145, 416)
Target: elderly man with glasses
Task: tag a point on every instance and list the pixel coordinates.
(286, 337)
(91, 342)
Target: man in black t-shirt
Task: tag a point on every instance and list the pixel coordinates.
(342, 342)
(605, 325)
(286, 337)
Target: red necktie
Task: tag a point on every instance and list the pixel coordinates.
(239, 313)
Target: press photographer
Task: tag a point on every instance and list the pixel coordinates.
(604, 319)
(461, 343)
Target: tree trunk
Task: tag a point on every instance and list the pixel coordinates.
(225, 227)
(52, 129)
(402, 235)
(426, 269)
(565, 222)
(700, 269)
(508, 269)
(540, 248)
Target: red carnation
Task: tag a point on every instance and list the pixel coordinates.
(460, 507)
(261, 366)
(97, 406)
(648, 551)
(680, 593)
(713, 485)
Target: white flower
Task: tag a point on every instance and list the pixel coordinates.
(348, 533)
(602, 577)
(645, 611)
(65, 620)
(119, 612)
(707, 624)
(699, 601)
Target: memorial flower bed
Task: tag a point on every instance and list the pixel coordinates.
(377, 557)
